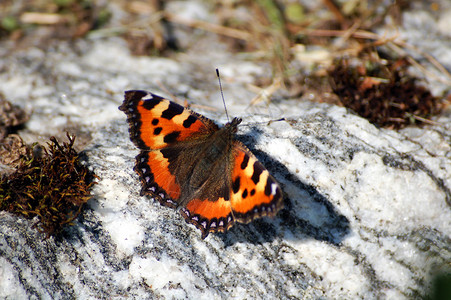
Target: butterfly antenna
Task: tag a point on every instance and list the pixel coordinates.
(222, 95)
(264, 123)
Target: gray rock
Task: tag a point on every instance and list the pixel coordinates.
(367, 210)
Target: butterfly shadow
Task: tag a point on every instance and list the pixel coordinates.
(307, 214)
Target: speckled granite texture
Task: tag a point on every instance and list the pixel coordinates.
(367, 210)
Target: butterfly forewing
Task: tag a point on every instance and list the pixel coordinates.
(156, 122)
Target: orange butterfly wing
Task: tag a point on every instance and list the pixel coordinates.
(156, 123)
(162, 130)
(254, 193)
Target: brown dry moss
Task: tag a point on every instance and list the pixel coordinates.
(385, 94)
(52, 186)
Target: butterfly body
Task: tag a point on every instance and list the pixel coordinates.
(188, 162)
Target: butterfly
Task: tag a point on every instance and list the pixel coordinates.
(188, 163)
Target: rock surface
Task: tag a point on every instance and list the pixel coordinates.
(367, 210)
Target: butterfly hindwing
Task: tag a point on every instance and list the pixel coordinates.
(209, 216)
(156, 179)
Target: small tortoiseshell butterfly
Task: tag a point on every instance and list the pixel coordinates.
(188, 162)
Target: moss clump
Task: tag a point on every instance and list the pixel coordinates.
(52, 186)
(386, 95)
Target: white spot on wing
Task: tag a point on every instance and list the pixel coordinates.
(273, 188)
(147, 97)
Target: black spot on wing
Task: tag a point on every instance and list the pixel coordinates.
(189, 121)
(236, 185)
(244, 162)
(258, 169)
(157, 130)
(151, 103)
(268, 188)
(173, 110)
(171, 153)
(171, 137)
